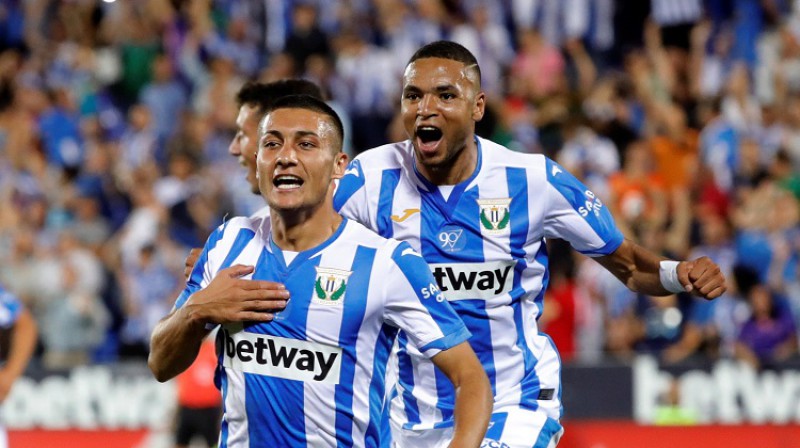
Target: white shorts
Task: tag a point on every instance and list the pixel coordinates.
(510, 428)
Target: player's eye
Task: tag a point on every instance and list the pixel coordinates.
(447, 96)
(412, 96)
(271, 144)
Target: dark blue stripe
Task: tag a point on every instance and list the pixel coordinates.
(241, 241)
(196, 277)
(355, 306)
(517, 180)
(223, 386)
(549, 430)
(378, 432)
(406, 380)
(498, 423)
(349, 184)
(389, 181)
(289, 409)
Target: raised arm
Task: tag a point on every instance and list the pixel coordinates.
(473, 394)
(646, 272)
(227, 298)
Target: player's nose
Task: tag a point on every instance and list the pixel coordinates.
(427, 106)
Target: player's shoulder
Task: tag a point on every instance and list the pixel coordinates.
(389, 156)
(361, 235)
(232, 227)
(495, 154)
(386, 248)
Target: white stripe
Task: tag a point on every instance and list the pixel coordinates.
(235, 410)
(509, 364)
(324, 324)
(319, 416)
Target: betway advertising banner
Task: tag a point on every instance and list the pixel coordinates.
(642, 402)
(724, 392)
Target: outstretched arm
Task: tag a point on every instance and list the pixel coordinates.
(23, 342)
(228, 298)
(643, 271)
(473, 394)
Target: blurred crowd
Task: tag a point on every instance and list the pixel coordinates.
(683, 116)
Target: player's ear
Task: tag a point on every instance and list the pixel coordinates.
(340, 160)
(479, 107)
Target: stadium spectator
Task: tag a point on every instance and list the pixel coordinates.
(769, 335)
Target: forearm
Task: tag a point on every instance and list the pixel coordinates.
(473, 394)
(175, 343)
(23, 343)
(473, 410)
(636, 267)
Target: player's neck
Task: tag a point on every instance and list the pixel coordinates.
(300, 230)
(455, 170)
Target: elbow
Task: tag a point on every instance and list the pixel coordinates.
(160, 373)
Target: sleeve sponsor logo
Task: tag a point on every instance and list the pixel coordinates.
(462, 281)
(593, 204)
(495, 216)
(278, 357)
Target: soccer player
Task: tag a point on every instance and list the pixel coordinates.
(16, 324)
(313, 374)
(479, 215)
(254, 98)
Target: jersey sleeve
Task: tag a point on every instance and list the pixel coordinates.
(350, 199)
(10, 309)
(576, 214)
(203, 271)
(415, 304)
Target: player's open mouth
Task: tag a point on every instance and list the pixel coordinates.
(287, 182)
(428, 138)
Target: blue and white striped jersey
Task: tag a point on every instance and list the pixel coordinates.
(315, 376)
(485, 243)
(10, 309)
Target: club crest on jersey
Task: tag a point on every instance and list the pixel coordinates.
(330, 286)
(495, 216)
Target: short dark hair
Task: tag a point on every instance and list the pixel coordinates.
(263, 95)
(446, 49)
(312, 103)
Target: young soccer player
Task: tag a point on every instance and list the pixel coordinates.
(313, 376)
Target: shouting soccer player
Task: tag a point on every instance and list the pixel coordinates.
(254, 99)
(479, 215)
(313, 375)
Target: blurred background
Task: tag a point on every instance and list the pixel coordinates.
(683, 116)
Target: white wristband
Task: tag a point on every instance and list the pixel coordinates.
(668, 273)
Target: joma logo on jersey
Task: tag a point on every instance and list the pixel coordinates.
(330, 286)
(281, 357)
(495, 216)
(461, 281)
